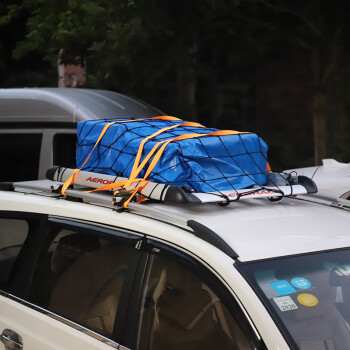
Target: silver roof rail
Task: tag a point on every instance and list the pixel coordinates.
(52, 188)
(341, 203)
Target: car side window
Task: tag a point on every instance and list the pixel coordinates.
(13, 233)
(63, 144)
(20, 154)
(82, 276)
(180, 310)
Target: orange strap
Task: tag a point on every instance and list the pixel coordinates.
(186, 137)
(76, 171)
(106, 127)
(162, 148)
(143, 182)
(112, 186)
(138, 167)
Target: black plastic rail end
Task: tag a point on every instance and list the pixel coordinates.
(309, 184)
(208, 235)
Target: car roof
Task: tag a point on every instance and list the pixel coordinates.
(254, 229)
(258, 229)
(69, 105)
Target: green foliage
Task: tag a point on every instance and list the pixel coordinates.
(248, 65)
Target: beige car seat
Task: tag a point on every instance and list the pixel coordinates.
(88, 281)
(319, 327)
(184, 314)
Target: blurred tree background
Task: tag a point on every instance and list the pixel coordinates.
(279, 68)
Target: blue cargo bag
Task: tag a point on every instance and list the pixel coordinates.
(203, 164)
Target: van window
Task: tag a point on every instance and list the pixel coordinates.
(64, 146)
(19, 154)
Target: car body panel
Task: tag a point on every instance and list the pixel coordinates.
(219, 263)
(255, 229)
(40, 331)
(288, 227)
(309, 225)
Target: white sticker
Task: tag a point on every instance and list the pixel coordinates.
(285, 303)
(343, 270)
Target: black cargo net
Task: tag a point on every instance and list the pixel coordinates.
(209, 163)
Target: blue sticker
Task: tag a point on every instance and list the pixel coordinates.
(301, 283)
(282, 287)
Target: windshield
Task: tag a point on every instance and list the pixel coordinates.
(308, 296)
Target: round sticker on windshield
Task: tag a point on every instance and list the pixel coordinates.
(307, 299)
(301, 283)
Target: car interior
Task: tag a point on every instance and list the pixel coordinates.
(83, 278)
(181, 312)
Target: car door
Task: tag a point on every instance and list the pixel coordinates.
(16, 230)
(181, 304)
(71, 287)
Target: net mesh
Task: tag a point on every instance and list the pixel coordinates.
(209, 163)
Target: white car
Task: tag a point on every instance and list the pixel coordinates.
(332, 177)
(79, 273)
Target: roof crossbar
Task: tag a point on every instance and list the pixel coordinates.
(279, 185)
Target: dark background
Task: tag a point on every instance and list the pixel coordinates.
(279, 68)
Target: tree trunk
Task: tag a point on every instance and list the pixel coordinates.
(60, 70)
(320, 124)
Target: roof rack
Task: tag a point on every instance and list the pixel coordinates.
(52, 189)
(279, 185)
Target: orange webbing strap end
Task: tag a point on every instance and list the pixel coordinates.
(226, 132)
(162, 117)
(268, 168)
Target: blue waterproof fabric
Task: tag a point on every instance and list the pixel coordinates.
(204, 164)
